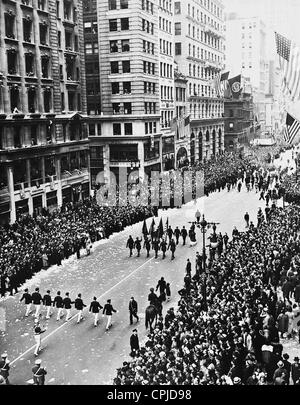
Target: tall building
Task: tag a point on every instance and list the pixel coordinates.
(246, 53)
(43, 136)
(127, 131)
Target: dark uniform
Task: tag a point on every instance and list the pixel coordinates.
(137, 245)
(162, 288)
(108, 310)
(28, 300)
(133, 308)
(147, 245)
(134, 343)
(155, 247)
(163, 248)
(67, 305)
(79, 305)
(95, 308)
(130, 244)
(36, 300)
(47, 301)
(172, 247)
(177, 234)
(184, 234)
(59, 304)
(38, 374)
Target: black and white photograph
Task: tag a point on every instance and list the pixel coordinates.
(149, 196)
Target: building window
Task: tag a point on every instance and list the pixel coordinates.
(124, 24)
(116, 129)
(113, 25)
(123, 4)
(114, 67)
(125, 45)
(14, 98)
(12, 61)
(112, 4)
(127, 108)
(31, 99)
(178, 48)
(178, 28)
(27, 28)
(9, 18)
(127, 87)
(116, 108)
(43, 33)
(177, 7)
(29, 65)
(128, 128)
(47, 100)
(115, 88)
(41, 4)
(126, 66)
(71, 100)
(57, 9)
(113, 46)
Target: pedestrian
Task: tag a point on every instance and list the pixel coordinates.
(134, 343)
(262, 196)
(147, 245)
(247, 218)
(295, 370)
(133, 309)
(239, 187)
(79, 305)
(95, 308)
(59, 304)
(108, 310)
(163, 248)
(170, 233)
(39, 373)
(67, 302)
(130, 245)
(184, 234)
(4, 368)
(37, 300)
(37, 336)
(47, 301)
(172, 247)
(198, 216)
(177, 234)
(27, 300)
(168, 291)
(226, 239)
(138, 246)
(188, 267)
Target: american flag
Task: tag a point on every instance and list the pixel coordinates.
(289, 54)
(292, 129)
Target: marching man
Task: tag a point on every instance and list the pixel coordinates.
(37, 336)
(37, 300)
(95, 308)
(58, 302)
(79, 305)
(67, 305)
(108, 310)
(47, 301)
(28, 300)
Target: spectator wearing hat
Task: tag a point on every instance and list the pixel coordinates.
(133, 309)
(295, 370)
(47, 301)
(287, 366)
(108, 310)
(27, 300)
(4, 367)
(134, 343)
(39, 373)
(280, 372)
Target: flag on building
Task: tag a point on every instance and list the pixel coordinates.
(292, 130)
(235, 86)
(224, 83)
(289, 58)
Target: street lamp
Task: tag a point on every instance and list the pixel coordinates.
(204, 225)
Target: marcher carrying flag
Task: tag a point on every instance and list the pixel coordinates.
(145, 229)
(160, 229)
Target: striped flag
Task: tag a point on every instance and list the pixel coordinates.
(289, 54)
(292, 130)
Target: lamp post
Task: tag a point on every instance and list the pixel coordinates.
(204, 226)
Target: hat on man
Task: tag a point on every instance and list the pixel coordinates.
(296, 359)
(38, 362)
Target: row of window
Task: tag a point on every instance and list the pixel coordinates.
(30, 64)
(149, 88)
(121, 88)
(10, 28)
(165, 47)
(166, 119)
(166, 5)
(115, 67)
(124, 24)
(15, 100)
(122, 108)
(150, 127)
(115, 4)
(165, 25)
(166, 93)
(117, 129)
(200, 73)
(166, 70)
(203, 54)
(119, 45)
(148, 47)
(91, 48)
(209, 5)
(201, 35)
(200, 90)
(149, 68)
(206, 110)
(148, 26)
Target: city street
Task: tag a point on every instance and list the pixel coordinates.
(76, 354)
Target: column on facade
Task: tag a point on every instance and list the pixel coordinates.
(59, 185)
(21, 59)
(106, 159)
(10, 181)
(142, 160)
(42, 134)
(3, 57)
(36, 30)
(26, 136)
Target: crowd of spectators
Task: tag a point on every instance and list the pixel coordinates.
(237, 341)
(34, 243)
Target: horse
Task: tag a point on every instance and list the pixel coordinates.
(151, 313)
